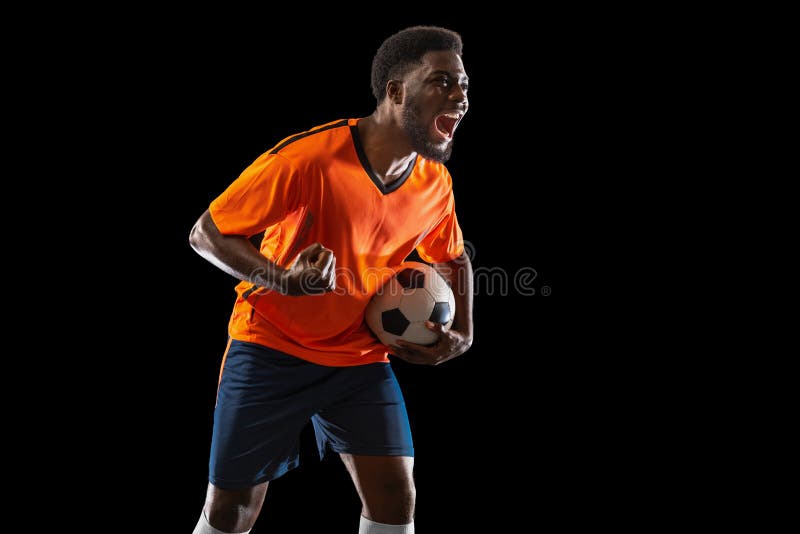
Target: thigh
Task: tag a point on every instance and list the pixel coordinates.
(262, 405)
(368, 415)
(372, 474)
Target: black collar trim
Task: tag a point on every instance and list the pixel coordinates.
(362, 156)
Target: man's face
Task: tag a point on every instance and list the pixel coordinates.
(434, 104)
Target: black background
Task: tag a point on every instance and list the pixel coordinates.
(521, 427)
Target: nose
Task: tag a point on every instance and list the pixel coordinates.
(458, 94)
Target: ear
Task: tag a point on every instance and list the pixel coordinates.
(395, 91)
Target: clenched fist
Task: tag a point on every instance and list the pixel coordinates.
(313, 272)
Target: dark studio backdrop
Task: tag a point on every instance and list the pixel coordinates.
(507, 430)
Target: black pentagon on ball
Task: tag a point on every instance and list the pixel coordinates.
(411, 278)
(394, 322)
(440, 313)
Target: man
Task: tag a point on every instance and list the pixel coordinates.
(336, 204)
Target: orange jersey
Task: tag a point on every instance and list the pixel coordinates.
(317, 186)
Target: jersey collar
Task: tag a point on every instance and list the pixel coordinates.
(362, 157)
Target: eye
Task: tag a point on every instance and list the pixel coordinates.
(444, 82)
(465, 87)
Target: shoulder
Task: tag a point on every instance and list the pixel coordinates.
(318, 139)
(434, 173)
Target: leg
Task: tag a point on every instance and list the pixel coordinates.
(385, 485)
(234, 510)
(261, 409)
(368, 426)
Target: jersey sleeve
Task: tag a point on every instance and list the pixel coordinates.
(445, 241)
(263, 195)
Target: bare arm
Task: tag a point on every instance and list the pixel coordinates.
(458, 273)
(313, 272)
(458, 338)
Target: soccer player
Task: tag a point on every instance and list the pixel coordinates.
(336, 205)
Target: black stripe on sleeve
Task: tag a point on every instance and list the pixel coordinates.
(306, 134)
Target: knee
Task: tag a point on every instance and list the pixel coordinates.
(230, 517)
(396, 500)
(233, 510)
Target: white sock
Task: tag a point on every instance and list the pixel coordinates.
(204, 528)
(371, 527)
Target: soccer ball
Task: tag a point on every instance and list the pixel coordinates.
(415, 294)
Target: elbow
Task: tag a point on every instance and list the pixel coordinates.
(198, 236)
(194, 236)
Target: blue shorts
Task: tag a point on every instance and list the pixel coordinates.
(266, 397)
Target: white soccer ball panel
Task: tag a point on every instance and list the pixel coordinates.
(451, 299)
(419, 333)
(388, 339)
(417, 305)
(389, 296)
(437, 286)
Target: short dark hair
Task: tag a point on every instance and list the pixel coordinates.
(404, 49)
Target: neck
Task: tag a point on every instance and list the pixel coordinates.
(386, 145)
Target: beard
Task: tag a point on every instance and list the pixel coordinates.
(419, 134)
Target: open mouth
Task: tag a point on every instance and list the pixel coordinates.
(446, 124)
